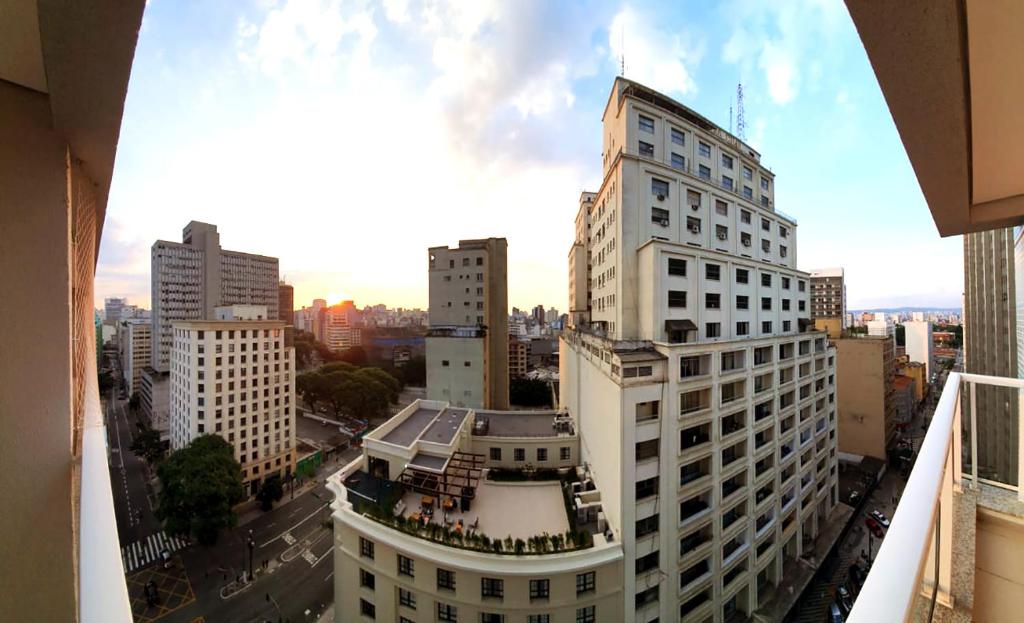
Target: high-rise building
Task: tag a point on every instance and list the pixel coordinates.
(828, 298)
(990, 346)
(342, 326)
(113, 309)
(538, 314)
(918, 340)
(467, 342)
(233, 376)
(286, 303)
(192, 277)
(865, 371)
(134, 340)
(518, 356)
(706, 407)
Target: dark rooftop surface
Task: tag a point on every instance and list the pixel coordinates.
(407, 432)
(429, 461)
(518, 423)
(445, 426)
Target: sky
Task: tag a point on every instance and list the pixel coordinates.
(345, 137)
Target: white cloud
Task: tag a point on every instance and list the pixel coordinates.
(659, 58)
(780, 71)
(397, 10)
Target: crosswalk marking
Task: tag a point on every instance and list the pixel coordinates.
(140, 553)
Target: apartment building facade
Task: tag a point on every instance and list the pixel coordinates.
(135, 343)
(721, 465)
(917, 336)
(828, 299)
(341, 326)
(193, 277)
(467, 341)
(518, 356)
(233, 376)
(286, 303)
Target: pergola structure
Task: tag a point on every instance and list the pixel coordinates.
(459, 477)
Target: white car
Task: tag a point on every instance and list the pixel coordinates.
(880, 518)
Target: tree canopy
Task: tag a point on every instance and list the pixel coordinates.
(529, 393)
(346, 389)
(148, 446)
(271, 490)
(200, 485)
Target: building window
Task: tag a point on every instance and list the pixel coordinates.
(405, 566)
(446, 579)
(519, 454)
(538, 618)
(407, 598)
(783, 251)
(712, 300)
(676, 267)
(367, 609)
(726, 182)
(585, 582)
(540, 589)
(564, 453)
(766, 326)
(766, 246)
(722, 232)
(742, 301)
(786, 324)
(748, 192)
(586, 614)
(366, 579)
(785, 283)
(801, 305)
(678, 162)
(495, 454)
(646, 124)
(444, 363)
(704, 172)
(646, 149)
(764, 184)
(785, 304)
(678, 137)
(801, 285)
(742, 275)
(365, 548)
(659, 188)
(766, 303)
(447, 612)
(693, 224)
(492, 587)
(766, 280)
(713, 329)
(726, 161)
(542, 455)
(742, 328)
(745, 239)
(690, 367)
(748, 173)
(704, 149)
(721, 207)
(677, 298)
(659, 216)
(491, 617)
(712, 272)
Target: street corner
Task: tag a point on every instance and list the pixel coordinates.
(173, 591)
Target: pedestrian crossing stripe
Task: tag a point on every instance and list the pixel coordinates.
(140, 553)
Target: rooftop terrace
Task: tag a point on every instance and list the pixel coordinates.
(521, 424)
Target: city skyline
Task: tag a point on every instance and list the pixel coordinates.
(308, 75)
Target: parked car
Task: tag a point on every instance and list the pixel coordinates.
(835, 615)
(880, 518)
(845, 600)
(874, 527)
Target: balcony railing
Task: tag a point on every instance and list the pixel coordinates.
(918, 547)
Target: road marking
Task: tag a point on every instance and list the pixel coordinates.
(297, 524)
(328, 576)
(144, 551)
(288, 538)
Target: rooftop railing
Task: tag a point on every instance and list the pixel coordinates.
(915, 559)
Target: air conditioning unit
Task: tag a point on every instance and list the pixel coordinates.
(722, 237)
(663, 222)
(695, 229)
(695, 207)
(661, 197)
(746, 243)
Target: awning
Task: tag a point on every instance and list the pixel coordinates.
(680, 325)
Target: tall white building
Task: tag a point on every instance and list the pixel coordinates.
(192, 277)
(342, 326)
(918, 340)
(134, 340)
(467, 342)
(112, 310)
(881, 326)
(233, 376)
(706, 407)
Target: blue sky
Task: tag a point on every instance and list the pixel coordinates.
(346, 137)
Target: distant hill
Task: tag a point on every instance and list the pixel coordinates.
(896, 310)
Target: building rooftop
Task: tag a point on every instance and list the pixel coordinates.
(445, 425)
(519, 424)
(409, 429)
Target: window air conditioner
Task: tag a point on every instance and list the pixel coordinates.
(695, 206)
(661, 197)
(695, 229)
(746, 243)
(663, 222)
(722, 237)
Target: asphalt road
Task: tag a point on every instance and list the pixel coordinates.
(128, 474)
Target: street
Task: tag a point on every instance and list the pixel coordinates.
(292, 557)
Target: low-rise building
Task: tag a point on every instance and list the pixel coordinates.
(233, 377)
(432, 520)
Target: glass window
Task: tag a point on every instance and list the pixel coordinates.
(713, 329)
(446, 579)
(693, 224)
(742, 328)
(742, 275)
(585, 582)
(748, 173)
(766, 280)
(407, 598)
(406, 565)
(540, 589)
(677, 298)
(704, 149)
(678, 137)
(646, 124)
(659, 188)
(742, 301)
(712, 272)
(646, 149)
(712, 300)
(678, 162)
(659, 216)
(676, 267)
(492, 587)
(721, 232)
(721, 207)
(704, 172)
(726, 162)
(727, 182)
(365, 548)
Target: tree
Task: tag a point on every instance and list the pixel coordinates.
(200, 485)
(313, 387)
(106, 382)
(270, 491)
(415, 371)
(355, 355)
(901, 335)
(337, 366)
(529, 393)
(147, 445)
(133, 402)
(394, 388)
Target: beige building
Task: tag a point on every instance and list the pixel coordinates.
(467, 342)
(705, 405)
(342, 326)
(426, 530)
(866, 370)
(134, 341)
(579, 264)
(828, 296)
(234, 377)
